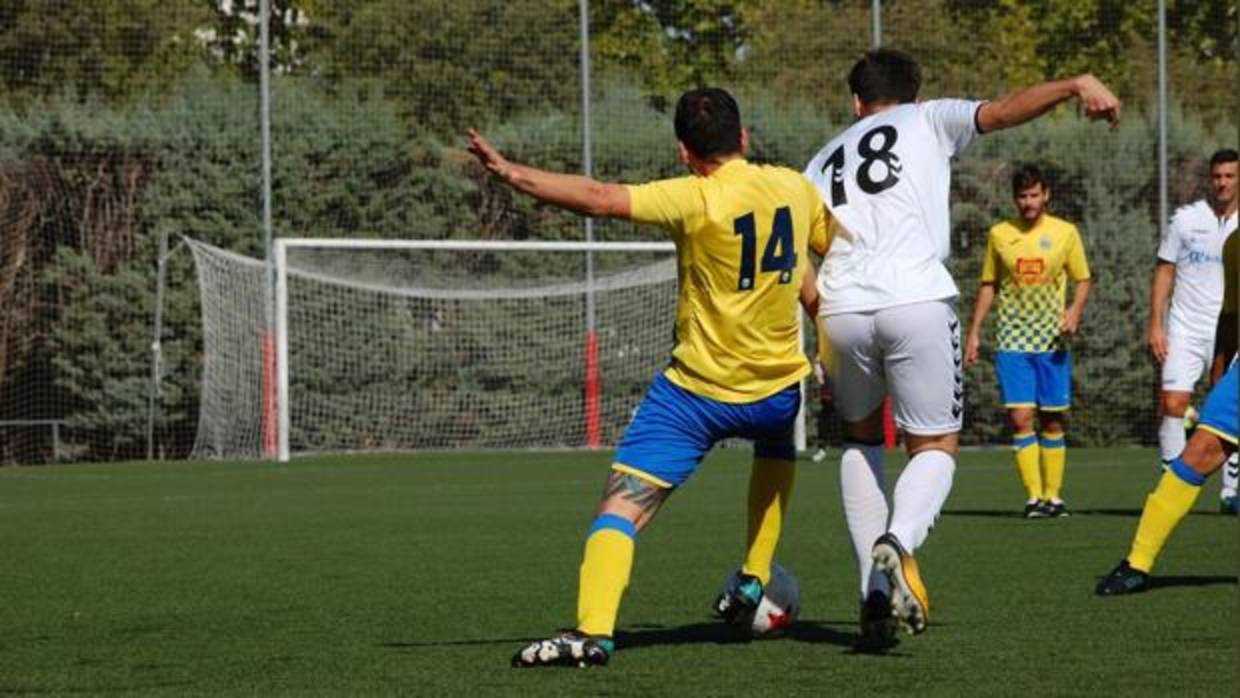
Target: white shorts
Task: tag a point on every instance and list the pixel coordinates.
(910, 351)
(1188, 359)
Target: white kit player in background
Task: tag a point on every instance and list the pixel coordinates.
(888, 304)
(1190, 272)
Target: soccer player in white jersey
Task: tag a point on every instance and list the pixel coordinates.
(1189, 272)
(887, 300)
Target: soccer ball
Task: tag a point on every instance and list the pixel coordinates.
(778, 608)
(780, 604)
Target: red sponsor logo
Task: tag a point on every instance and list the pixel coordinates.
(1030, 271)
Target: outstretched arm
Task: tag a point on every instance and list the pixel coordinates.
(1032, 102)
(576, 193)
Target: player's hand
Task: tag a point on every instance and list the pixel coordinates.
(488, 156)
(1157, 341)
(972, 348)
(1097, 101)
(1070, 323)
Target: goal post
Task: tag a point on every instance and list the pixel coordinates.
(405, 345)
(283, 245)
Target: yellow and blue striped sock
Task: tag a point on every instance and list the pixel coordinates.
(605, 570)
(770, 487)
(1025, 451)
(1174, 496)
(1053, 453)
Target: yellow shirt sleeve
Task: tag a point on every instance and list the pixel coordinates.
(990, 261)
(1076, 265)
(674, 204)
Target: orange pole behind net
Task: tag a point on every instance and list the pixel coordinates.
(270, 425)
(593, 393)
(889, 424)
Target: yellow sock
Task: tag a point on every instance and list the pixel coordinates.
(770, 487)
(1174, 496)
(1053, 453)
(1025, 447)
(605, 569)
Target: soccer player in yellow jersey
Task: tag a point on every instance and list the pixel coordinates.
(1210, 446)
(742, 233)
(1028, 262)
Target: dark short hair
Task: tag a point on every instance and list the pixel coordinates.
(1026, 175)
(885, 75)
(708, 122)
(1224, 155)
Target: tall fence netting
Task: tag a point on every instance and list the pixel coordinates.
(125, 122)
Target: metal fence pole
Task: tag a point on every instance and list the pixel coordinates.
(587, 148)
(269, 436)
(264, 118)
(876, 23)
(593, 390)
(156, 346)
(1162, 118)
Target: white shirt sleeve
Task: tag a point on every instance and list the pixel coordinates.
(954, 122)
(1169, 246)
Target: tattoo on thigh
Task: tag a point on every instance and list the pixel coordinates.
(634, 489)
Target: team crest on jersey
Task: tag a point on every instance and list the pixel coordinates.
(1045, 243)
(1029, 271)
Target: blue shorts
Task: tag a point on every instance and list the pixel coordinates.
(674, 428)
(1219, 415)
(1040, 379)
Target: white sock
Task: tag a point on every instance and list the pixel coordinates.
(1170, 438)
(1231, 473)
(919, 496)
(865, 508)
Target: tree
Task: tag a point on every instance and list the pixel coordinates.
(114, 48)
(674, 44)
(446, 65)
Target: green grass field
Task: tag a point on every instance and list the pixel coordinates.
(421, 575)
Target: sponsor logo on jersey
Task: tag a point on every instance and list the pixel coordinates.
(1030, 270)
(1195, 256)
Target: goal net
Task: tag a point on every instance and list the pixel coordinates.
(411, 345)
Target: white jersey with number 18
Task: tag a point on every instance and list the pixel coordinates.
(887, 180)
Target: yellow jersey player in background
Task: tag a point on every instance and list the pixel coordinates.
(742, 233)
(1211, 444)
(1027, 265)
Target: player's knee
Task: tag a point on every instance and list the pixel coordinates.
(1021, 420)
(1174, 403)
(633, 497)
(866, 431)
(1053, 422)
(948, 443)
(1206, 452)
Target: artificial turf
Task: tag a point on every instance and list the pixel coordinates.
(421, 575)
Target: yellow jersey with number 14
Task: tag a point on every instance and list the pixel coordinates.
(1031, 267)
(741, 237)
